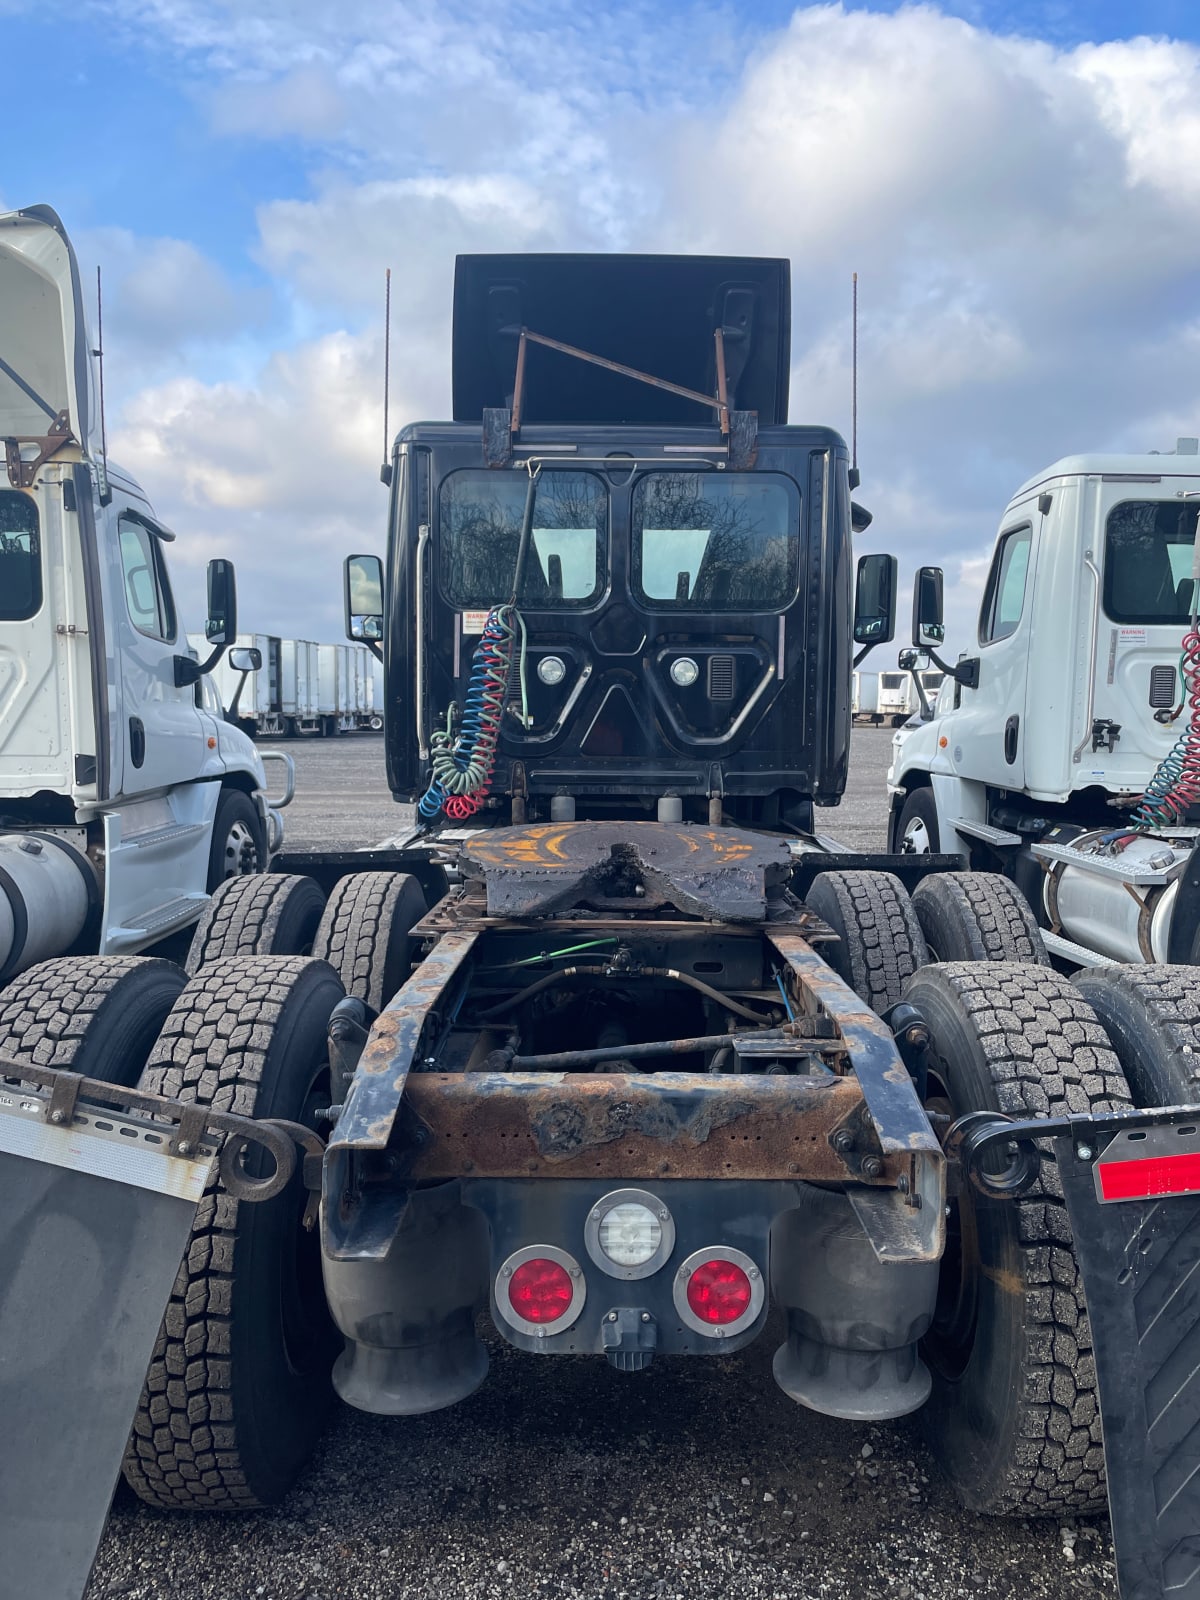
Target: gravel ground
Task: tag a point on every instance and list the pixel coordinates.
(563, 1478)
(342, 799)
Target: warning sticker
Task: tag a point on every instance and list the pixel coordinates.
(1131, 635)
(474, 621)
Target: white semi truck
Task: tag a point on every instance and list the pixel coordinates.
(125, 795)
(1065, 748)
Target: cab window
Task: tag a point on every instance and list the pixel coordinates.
(1004, 594)
(1148, 554)
(147, 590)
(480, 535)
(20, 558)
(716, 543)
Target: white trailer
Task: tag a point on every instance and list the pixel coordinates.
(1066, 755)
(125, 797)
(864, 704)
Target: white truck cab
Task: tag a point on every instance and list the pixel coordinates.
(125, 795)
(1047, 734)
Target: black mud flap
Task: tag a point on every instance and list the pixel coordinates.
(96, 1216)
(1137, 1236)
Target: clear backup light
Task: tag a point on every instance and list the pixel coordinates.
(629, 1233)
(684, 672)
(552, 669)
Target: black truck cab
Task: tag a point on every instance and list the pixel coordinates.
(682, 623)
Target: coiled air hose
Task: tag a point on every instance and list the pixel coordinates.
(462, 755)
(1175, 787)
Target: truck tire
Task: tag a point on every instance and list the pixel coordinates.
(915, 830)
(365, 933)
(97, 1015)
(1152, 1016)
(880, 943)
(239, 839)
(270, 914)
(1014, 1417)
(239, 1383)
(977, 916)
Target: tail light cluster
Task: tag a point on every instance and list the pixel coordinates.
(629, 1234)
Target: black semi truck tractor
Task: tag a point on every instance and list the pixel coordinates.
(609, 1049)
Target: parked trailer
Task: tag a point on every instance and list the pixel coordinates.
(125, 797)
(301, 688)
(606, 1044)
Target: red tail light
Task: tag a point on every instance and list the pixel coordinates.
(540, 1290)
(719, 1292)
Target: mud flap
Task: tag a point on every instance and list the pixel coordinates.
(96, 1217)
(1137, 1237)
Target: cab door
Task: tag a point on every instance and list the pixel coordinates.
(988, 730)
(163, 730)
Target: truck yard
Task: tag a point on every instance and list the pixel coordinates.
(566, 1479)
(623, 1024)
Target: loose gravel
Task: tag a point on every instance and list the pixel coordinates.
(565, 1479)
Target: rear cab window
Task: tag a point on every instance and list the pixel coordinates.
(1148, 553)
(479, 535)
(709, 542)
(20, 558)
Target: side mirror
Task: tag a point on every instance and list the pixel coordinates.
(221, 627)
(910, 660)
(364, 599)
(875, 600)
(928, 629)
(247, 658)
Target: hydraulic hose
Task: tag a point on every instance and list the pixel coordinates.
(599, 972)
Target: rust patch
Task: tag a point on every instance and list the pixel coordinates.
(632, 1126)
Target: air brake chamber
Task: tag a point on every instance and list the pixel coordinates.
(47, 889)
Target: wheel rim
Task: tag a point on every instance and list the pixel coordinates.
(241, 852)
(948, 1345)
(915, 840)
(300, 1282)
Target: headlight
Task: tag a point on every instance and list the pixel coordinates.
(629, 1234)
(552, 669)
(684, 672)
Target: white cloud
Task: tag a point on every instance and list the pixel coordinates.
(304, 101)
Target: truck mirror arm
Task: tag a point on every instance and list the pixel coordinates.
(188, 671)
(964, 672)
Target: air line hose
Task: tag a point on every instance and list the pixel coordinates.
(1175, 786)
(463, 753)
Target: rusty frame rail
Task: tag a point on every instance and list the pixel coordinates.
(627, 1125)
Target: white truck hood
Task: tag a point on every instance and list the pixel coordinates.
(45, 358)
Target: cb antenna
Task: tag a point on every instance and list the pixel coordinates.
(105, 492)
(385, 471)
(855, 477)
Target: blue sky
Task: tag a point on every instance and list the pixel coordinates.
(1018, 186)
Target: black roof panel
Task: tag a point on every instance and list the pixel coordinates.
(655, 313)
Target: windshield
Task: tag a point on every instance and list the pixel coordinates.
(480, 532)
(20, 558)
(716, 543)
(1148, 547)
